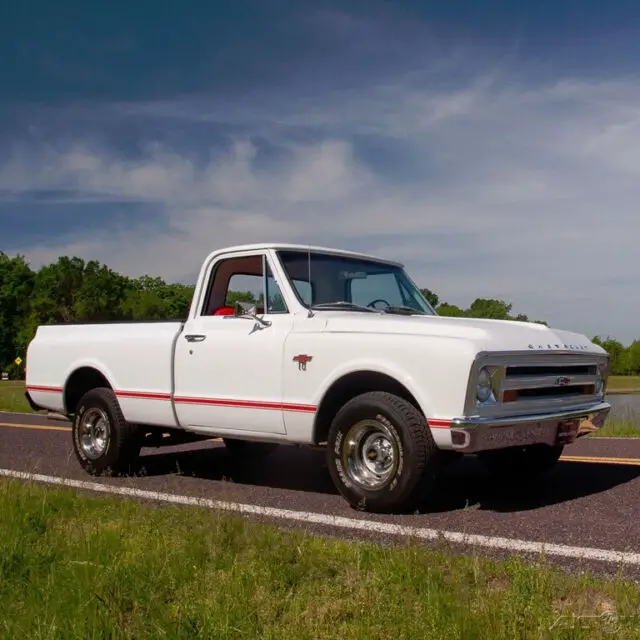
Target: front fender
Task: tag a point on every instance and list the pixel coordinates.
(391, 369)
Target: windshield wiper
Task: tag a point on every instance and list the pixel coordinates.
(352, 306)
(404, 310)
(347, 306)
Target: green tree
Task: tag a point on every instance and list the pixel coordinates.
(149, 298)
(617, 353)
(71, 291)
(490, 308)
(633, 358)
(55, 291)
(432, 298)
(16, 285)
(100, 295)
(450, 310)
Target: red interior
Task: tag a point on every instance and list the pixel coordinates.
(229, 311)
(224, 311)
(246, 265)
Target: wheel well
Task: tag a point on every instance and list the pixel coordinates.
(350, 386)
(79, 382)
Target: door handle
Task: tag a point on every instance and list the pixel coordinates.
(195, 337)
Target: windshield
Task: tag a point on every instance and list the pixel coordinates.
(341, 281)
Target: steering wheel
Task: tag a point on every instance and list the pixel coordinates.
(373, 302)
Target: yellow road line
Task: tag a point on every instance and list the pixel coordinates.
(39, 427)
(587, 459)
(42, 427)
(601, 460)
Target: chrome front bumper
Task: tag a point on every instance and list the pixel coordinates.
(472, 434)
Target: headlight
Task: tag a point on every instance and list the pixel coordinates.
(483, 388)
(601, 382)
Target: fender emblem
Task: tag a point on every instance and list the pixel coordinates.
(302, 360)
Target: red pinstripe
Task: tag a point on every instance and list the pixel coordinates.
(144, 395)
(246, 404)
(439, 424)
(224, 402)
(219, 402)
(33, 387)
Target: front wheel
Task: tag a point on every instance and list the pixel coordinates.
(521, 463)
(103, 441)
(380, 453)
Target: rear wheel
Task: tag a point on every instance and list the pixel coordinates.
(103, 441)
(380, 453)
(521, 463)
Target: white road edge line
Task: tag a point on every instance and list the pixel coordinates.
(508, 544)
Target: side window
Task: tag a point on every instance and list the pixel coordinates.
(375, 287)
(305, 290)
(243, 279)
(243, 288)
(275, 301)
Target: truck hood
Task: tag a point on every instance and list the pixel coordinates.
(484, 335)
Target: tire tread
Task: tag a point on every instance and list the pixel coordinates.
(424, 451)
(125, 445)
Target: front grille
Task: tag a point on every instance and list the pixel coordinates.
(549, 381)
(522, 371)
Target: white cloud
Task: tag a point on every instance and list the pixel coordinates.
(525, 193)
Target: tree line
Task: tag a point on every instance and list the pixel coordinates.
(74, 290)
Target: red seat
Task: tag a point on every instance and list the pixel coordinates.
(224, 311)
(230, 311)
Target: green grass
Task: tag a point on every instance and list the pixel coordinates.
(620, 428)
(84, 567)
(12, 396)
(624, 384)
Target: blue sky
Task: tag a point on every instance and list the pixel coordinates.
(493, 147)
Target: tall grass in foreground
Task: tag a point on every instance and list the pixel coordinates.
(79, 567)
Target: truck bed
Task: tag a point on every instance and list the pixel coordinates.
(135, 357)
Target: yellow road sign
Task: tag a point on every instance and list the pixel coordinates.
(18, 360)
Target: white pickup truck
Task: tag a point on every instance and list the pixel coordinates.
(346, 354)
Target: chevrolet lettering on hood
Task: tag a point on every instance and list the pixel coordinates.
(568, 347)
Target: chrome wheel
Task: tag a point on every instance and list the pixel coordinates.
(370, 454)
(94, 433)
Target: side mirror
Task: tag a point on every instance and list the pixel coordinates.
(248, 310)
(245, 309)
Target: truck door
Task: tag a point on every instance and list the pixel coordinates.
(228, 369)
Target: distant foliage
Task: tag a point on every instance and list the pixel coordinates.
(72, 290)
(625, 361)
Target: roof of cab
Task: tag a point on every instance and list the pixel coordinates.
(299, 247)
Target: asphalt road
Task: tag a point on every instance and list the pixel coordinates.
(590, 500)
